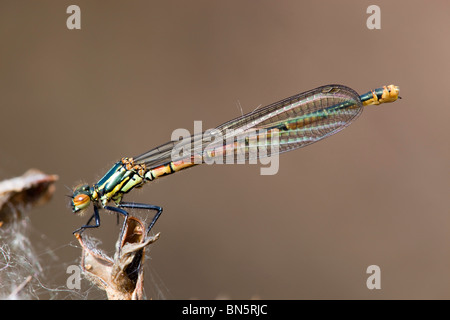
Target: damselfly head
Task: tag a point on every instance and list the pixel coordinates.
(81, 198)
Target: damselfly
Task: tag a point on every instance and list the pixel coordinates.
(289, 124)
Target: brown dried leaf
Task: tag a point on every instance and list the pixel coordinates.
(19, 194)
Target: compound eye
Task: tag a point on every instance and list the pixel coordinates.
(80, 202)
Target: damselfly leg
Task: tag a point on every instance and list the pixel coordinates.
(144, 206)
(131, 205)
(95, 216)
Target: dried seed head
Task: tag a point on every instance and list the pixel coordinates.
(122, 277)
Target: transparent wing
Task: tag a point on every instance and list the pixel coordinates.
(286, 125)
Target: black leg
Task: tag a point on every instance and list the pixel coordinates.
(121, 211)
(133, 205)
(95, 216)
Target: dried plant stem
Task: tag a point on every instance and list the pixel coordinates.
(122, 278)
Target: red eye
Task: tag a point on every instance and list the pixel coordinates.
(81, 201)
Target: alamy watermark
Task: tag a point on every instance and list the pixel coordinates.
(74, 280)
(374, 280)
(215, 146)
(74, 20)
(374, 20)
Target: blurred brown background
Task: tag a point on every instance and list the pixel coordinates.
(75, 101)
